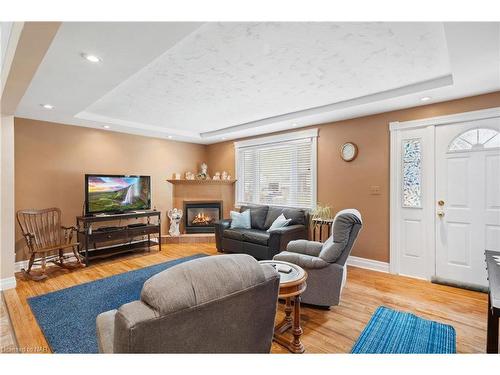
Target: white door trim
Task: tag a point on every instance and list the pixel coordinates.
(429, 183)
(448, 119)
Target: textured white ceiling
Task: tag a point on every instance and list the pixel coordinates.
(199, 82)
(226, 74)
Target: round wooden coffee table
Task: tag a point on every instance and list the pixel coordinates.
(292, 285)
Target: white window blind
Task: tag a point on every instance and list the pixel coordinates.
(278, 173)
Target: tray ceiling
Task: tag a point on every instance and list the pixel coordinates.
(198, 82)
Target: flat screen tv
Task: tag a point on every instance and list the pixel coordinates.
(116, 193)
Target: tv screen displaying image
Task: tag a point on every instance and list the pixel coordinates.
(117, 193)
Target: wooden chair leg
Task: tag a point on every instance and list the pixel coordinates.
(61, 257)
(77, 255)
(27, 273)
(69, 266)
(30, 263)
(44, 264)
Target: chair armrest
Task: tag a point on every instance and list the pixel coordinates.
(226, 223)
(312, 248)
(280, 237)
(302, 260)
(220, 227)
(127, 318)
(105, 330)
(68, 228)
(68, 233)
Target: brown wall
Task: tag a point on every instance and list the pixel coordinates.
(51, 160)
(345, 185)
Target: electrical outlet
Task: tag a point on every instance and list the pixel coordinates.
(375, 190)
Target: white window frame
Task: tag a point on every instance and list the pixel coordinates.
(312, 134)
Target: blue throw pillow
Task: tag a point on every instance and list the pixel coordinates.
(280, 222)
(240, 220)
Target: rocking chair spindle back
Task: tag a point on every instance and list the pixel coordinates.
(45, 235)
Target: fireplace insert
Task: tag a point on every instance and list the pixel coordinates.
(200, 217)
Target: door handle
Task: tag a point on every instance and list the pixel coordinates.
(441, 202)
(440, 214)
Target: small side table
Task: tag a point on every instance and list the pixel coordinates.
(319, 224)
(292, 285)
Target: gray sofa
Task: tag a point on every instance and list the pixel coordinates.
(218, 304)
(325, 263)
(256, 241)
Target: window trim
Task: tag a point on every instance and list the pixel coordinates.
(312, 134)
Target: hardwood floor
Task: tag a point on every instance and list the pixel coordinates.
(325, 331)
(7, 342)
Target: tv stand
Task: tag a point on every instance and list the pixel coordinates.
(95, 243)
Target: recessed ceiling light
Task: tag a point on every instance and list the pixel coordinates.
(425, 98)
(170, 137)
(91, 58)
(223, 138)
(106, 126)
(47, 106)
(294, 125)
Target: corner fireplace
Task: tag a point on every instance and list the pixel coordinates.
(200, 217)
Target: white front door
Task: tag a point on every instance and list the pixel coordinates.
(467, 203)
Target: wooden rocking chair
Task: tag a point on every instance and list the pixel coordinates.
(45, 235)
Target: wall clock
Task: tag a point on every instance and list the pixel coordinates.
(349, 151)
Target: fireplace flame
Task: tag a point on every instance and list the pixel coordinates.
(202, 219)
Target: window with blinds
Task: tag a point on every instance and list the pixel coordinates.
(278, 173)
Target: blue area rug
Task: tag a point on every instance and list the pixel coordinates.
(67, 317)
(394, 332)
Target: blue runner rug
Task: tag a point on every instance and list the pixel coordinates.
(67, 317)
(394, 332)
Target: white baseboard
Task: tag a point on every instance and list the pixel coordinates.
(370, 264)
(8, 283)
(18, 266)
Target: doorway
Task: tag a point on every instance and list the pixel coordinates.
(445, 196)
(467, 199)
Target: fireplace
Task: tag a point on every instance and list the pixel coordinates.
(200, 217)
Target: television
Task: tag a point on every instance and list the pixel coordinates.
(116, 193)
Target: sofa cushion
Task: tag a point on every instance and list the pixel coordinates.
(280, 222)
(234, 234)
(297, 215)
(256, 236)
(248, 235)
(240, 220)
(258, 215)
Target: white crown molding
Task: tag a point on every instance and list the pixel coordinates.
(8, 283)
(370, 264)
(291, 136)
(434, 83)
(448, 119)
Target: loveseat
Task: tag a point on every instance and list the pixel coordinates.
(257, 241)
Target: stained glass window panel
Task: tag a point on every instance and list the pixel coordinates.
(412, 173)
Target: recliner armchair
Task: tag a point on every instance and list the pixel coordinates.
(325, 263)
(217, 304)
